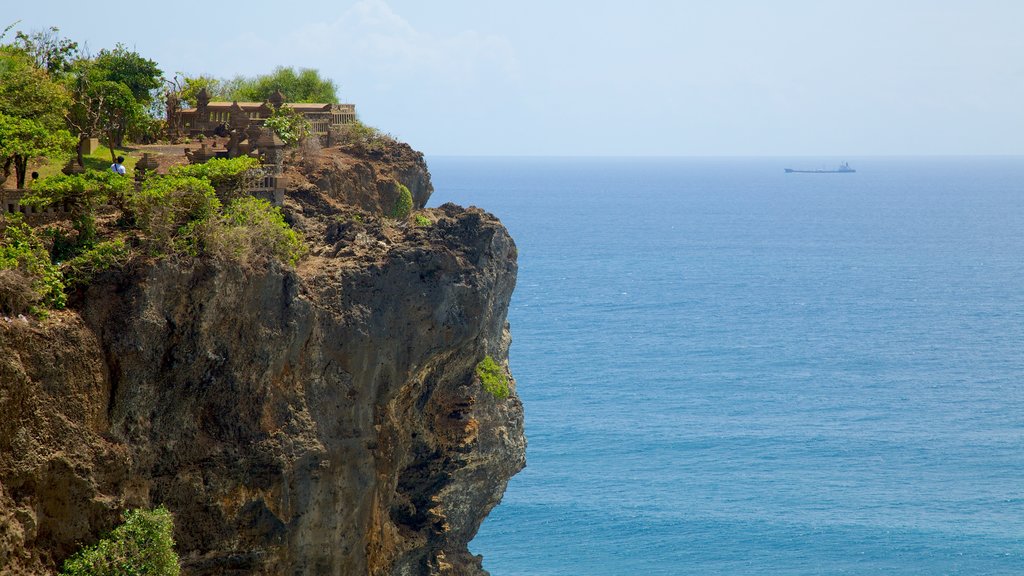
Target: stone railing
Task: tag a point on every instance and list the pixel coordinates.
(11, 203)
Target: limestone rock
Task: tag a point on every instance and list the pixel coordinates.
(319, 420)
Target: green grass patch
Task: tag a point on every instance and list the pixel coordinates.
(98, 160)
(422, 221)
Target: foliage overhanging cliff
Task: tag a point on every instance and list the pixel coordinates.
(323, 419)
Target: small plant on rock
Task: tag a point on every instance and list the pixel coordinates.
(493, 378)
(142, 545)
(403, 205)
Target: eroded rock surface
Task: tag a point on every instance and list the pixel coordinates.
(324, 420)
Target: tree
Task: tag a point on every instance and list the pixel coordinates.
(304, 85)
(116, 111)
(22, 139)
(140, 75)
(101, 106)
(191, 86)
(50, 52)
(32, 110)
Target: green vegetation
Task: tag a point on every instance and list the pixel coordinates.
(366, 139)
(230, 177)
(167, 209)
(32, 108)
(403, 205)
(249, 229)
(49, 91)
(81, 193)
(81, 269)
(303, 85)
(289, 125)
(493, 378)
(30, 280)
(142, 545)
(422, 221)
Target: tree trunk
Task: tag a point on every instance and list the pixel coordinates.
(110, 145)
(20, 167)
(5, 170)
(82, 138)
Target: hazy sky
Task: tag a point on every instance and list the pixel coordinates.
(645, 77)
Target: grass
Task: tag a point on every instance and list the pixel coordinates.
(98, 160)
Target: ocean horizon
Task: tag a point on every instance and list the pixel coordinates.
(726, 369)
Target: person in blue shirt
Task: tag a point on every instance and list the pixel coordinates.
(118, 167)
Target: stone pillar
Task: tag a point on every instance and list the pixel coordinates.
(147, 164)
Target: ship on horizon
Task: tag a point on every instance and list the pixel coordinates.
(844, 168)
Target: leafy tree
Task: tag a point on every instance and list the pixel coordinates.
(304, 85)
(116, 112)
(22, 139)
(32, 109)
(140, 75)
(191, 86)
(50, 52)
(112, 92)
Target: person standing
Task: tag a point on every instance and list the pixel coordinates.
(118, 167)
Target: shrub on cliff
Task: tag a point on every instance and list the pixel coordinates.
(80, 193)
(290, 126)
(167, 207)
(493, 378)
(23, 254)
(142, 545)
(403, 204)
(81, 269)
(251, 228)
(366, 139)
(230, 177)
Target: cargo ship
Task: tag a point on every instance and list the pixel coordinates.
(843, 169)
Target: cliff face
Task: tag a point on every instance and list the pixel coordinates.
(324, 420)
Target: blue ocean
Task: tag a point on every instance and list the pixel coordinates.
(729, 370)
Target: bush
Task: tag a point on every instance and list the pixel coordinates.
(81, 269)
(290, 126)
(22, 251)
(251, 228)
(422, 221)
(167, 207)
(493, 378)
(142, 545)
(81, 193)
(403, 205)
(230, 177)
(366, 138)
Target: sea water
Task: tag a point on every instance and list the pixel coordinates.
(731, 370)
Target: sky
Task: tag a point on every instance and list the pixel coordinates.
(637, 78)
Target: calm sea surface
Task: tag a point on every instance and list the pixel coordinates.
(731, 370)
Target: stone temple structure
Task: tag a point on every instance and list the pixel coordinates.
(220, 118)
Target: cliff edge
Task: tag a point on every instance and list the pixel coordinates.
(325, 419)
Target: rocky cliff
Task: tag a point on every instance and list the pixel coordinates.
(319, 420)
